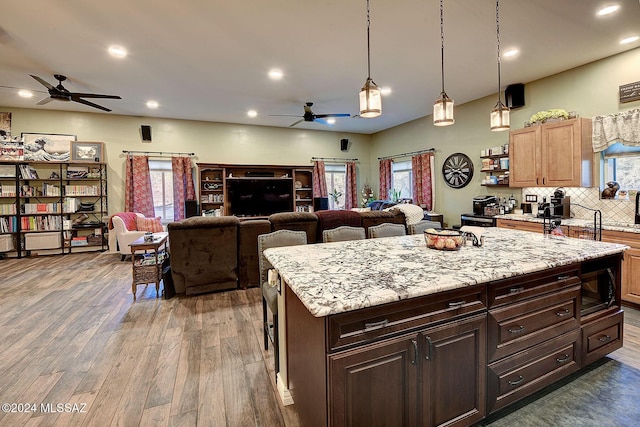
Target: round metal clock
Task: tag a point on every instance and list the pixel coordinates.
(457, 170)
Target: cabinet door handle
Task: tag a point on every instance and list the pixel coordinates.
(457, 304)
(518, 381)
(429, 348)
(605, 338)
(415, 351)
(543, 181)
(536, 181)
(518, 330)
(565, 277)
(563, 313)
(516, 290)
(566, 358)
(375, 325)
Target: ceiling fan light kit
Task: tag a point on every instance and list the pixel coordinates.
(443, 107)
(370, 95)
(499, 117)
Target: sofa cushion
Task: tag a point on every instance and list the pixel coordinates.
(129, 219)
(149, 224)
(248, 257)
(296, 221)
(328, 220)
(372, 218)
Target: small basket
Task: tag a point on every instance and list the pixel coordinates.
(444, 240)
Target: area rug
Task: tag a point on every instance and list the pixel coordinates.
(607, 393)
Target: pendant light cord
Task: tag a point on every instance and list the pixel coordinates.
(368, 44)
(442, 43)
(498, 38)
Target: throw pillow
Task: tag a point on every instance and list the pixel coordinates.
(149, 224)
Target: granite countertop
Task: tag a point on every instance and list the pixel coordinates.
(578, 222)
(332, 278)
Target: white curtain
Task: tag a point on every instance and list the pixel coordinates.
(621, 127)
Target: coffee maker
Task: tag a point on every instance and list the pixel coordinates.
(560, 205)
(637, 208)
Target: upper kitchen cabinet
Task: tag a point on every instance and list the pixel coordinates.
(557, 154)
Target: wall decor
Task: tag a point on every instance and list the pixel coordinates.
(630, 92)
(47, 147)
(5, 126)
(86, 151)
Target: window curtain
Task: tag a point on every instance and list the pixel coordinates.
(319, 180)
(183, 188)
(351, 196)
(385, 178)
(138, 196)
(422, 174)
(621, 127)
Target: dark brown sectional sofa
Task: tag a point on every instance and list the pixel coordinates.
(220, 253)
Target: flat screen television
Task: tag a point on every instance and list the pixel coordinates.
(259, 196)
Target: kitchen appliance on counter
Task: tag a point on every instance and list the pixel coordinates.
(477, 220)
(560, 204)
(481, 202)
(638, 207)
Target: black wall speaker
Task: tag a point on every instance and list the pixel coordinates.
(146, 132)
(320, 203)
(344, 144)
(514, 95)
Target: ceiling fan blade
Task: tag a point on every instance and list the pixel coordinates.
(326, 116)
(43, 83)
(323, 121)
(91, 104)
(92, 95)
(293, 124)
(44, 101)
(284, 115)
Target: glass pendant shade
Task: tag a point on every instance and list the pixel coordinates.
(443, 111)
(370, 100)
(499, 117)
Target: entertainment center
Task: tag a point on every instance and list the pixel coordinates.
(254, 190)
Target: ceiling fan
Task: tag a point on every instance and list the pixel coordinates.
(60, 93)
(310, 116)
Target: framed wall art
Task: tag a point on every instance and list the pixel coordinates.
(82, 151)
(47, 147)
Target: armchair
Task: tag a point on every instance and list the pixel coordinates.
(122, 231)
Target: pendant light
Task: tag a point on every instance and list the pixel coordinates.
(370, 96)
(500, 113)
(443, 107)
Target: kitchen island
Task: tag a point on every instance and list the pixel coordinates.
(386, 331)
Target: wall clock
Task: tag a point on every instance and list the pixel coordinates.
(457, 170)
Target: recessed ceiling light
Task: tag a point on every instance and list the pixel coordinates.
(385, 90)
(275, 74)
(629, 40)
(25, 93)
(608, 10)
(252, 113)
(510, 53)
(331, 121)
(117, 51)
(152, 104)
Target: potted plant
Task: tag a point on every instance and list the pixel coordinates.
(549, 115)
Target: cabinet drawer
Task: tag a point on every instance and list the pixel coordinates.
(515, 377)
(374, 323)
(602, 336)
(518, 326)
(514, 290)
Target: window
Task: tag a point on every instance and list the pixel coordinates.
(621, 163)
(401, 181)
(336, 176)
(162, 189)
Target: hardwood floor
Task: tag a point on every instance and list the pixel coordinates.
(71, 333)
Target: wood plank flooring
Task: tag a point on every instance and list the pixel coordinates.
(71, 333)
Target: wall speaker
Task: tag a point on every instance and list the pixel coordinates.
(320, 203)
(514, 95)
(146, 132)
(344, 144)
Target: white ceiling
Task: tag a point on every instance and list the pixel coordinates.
(208, 60)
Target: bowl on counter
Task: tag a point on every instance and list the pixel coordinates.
(444, 240)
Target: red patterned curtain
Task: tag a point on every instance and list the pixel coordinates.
(138, 196)
(183, 188)
(319, 180)
(385, 178)
(421, 169)
(351, 196)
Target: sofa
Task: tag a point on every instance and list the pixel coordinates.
(122, 231)
(220, 253)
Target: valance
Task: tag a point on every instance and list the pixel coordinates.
(622, 127)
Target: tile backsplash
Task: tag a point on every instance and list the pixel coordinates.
(613, 210)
